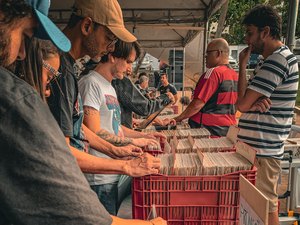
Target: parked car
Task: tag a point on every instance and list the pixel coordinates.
(233, 63)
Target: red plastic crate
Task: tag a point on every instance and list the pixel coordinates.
(196, 200)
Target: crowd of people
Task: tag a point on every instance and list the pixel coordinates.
(66, 138)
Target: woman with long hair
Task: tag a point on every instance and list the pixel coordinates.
(40, 66)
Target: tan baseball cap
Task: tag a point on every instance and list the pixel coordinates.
(107, 13)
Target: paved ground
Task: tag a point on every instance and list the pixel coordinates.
(125, 210)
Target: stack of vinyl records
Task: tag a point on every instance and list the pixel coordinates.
(166, 163)
(209, 163)
(169, 134)
(213, 144)
(187, 165)
(194, 133)
(218, 163)
(184, 146)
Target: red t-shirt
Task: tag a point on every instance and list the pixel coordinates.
(223, 80)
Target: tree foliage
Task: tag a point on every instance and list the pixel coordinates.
(236, 11)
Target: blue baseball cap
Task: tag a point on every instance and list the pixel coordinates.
(47, 29)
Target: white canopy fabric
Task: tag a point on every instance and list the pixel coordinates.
(158, 24)
(161, 25)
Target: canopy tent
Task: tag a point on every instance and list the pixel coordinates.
(158, 24)
(161, 25)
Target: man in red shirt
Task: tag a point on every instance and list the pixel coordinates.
(213, 104)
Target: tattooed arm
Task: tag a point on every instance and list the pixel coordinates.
(92, 121)
(113, 139)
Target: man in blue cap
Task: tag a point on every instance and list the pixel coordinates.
(93, 28)
(40, 179)
(41, 182)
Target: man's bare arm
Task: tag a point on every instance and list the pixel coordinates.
(113, 139)
(194, 107)
(140, 166)
(92, 121)
(247, 98)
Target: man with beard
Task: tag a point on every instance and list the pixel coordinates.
(268, 101)
(93, 30)
(102, 111)
(41, 182)
(40, 179)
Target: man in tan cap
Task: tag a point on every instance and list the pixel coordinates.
(93, 29)
(106, 13)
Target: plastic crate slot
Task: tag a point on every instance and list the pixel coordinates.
(176, 213)
(193, 198)
(209, 213)
(192, 213)
(228, 213)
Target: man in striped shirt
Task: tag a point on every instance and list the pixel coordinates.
(213, 104)
(268, 100)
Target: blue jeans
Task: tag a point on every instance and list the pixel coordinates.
(124, 188)
(108, 196)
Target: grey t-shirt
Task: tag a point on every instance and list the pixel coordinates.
(40, 181)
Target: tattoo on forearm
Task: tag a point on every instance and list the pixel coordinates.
(89, 111)
(113, 139)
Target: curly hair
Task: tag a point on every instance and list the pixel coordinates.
(13, 10)
(262, 16)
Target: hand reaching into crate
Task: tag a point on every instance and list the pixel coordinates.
(125, 152)
(142, 142)
(156, 221)
(143, 165)
(155, 135)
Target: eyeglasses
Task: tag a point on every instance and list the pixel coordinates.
(111, 38)
(54, 72)
(216, 50)
(112, 43)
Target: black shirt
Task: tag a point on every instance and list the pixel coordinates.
(66, 105)
(169, 88)
(132, 100)
(41, 182)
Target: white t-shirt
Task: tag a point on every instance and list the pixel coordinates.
(98, 93)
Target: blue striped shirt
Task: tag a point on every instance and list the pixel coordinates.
(277, 79)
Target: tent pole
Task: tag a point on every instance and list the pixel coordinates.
(292, 20)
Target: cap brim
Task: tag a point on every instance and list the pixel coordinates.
(49, 31)
(122, 33)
